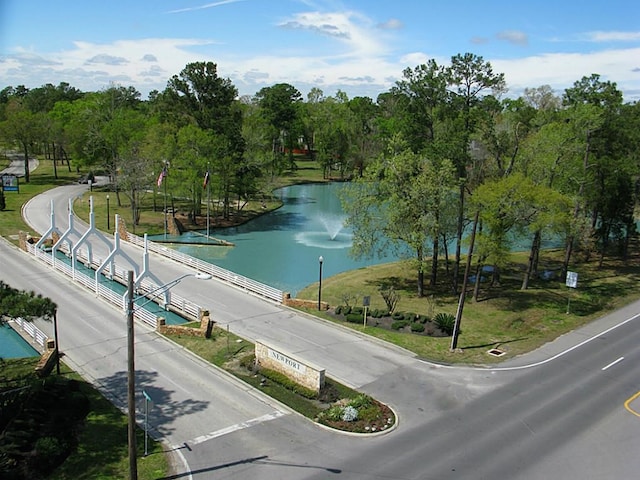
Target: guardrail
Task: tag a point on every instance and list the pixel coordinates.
(30, 329)
(241, 281)
(177, 303)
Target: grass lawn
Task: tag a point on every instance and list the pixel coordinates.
(514, 320)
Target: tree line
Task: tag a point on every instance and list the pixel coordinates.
(441, 154)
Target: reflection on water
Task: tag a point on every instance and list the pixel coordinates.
(282, 248)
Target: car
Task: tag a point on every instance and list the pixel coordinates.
(88, 177)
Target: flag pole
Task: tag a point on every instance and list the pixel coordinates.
(208, 200)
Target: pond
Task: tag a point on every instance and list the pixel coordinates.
(282, 248)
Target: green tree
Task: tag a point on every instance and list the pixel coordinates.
(280, 105)
(22, 127)
(469, 77)
(397, 204)
(199, 95)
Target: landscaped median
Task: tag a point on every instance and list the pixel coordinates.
(332, 405)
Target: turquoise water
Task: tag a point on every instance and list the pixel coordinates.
(282, 248)
(12, 345)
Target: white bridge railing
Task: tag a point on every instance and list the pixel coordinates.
(30, 329)
(177, 303)
(243, 282)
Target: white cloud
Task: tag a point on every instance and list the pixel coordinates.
(561, 70)
(600, 36)
(513, 36)
(353, 30)
(205, 6)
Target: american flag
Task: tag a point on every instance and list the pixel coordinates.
(163, 174)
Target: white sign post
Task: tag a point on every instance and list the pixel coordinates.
(148, 405)
(572, 282)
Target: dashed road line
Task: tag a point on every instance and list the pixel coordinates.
(236, 427)
(612, 363)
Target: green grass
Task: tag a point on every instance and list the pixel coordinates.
(41, 180)
(516, 321)
(102, 451)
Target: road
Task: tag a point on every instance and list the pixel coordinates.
(556, 413)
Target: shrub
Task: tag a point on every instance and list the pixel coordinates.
(361, 401)
(333, 414)
(445, 322)
(417, 327)
(398, 316)
(358, 310)
(346, 310)
(354, 318)
(338, 310)
(349, 414)
(378, 313)
(289, 384)
(398, 324)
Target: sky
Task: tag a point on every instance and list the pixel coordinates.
(360, 47)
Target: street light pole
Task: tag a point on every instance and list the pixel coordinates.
(108, 216)
(131, 383)
(320, 260)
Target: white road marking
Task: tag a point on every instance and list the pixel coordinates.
(236, 427)
(613, 363)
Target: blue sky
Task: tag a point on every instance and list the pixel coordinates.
(358, 46)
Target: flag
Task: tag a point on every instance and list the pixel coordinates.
(163, 174)
(206, 180)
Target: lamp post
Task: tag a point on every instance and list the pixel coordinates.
(131, 370)
(320, 260)
(108, 216)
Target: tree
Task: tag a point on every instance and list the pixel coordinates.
(198, 95)
(280, 106)
(23, 127)
(16, 303)
(469, 76)
(397, 204)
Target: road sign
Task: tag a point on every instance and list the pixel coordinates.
(572, 279)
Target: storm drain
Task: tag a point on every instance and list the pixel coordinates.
(496, 352)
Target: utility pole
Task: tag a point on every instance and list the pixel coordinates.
(131, 383)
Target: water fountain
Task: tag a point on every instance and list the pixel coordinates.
(329, 233)
(333, 224)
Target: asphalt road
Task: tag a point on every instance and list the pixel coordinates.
(556, 413)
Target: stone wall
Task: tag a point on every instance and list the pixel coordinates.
(303, 373)
(163, 328)
(300, 303)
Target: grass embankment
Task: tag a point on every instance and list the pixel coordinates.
(504, 316)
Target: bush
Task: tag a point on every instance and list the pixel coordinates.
(346, 310)
(354, 318)
(399, 324)
(445, 322)
(289, 384)
(349, 414)
(398, 316)
(379, 313)
(358, 310)
(361, 401)
(417, 327)
(339, 310)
